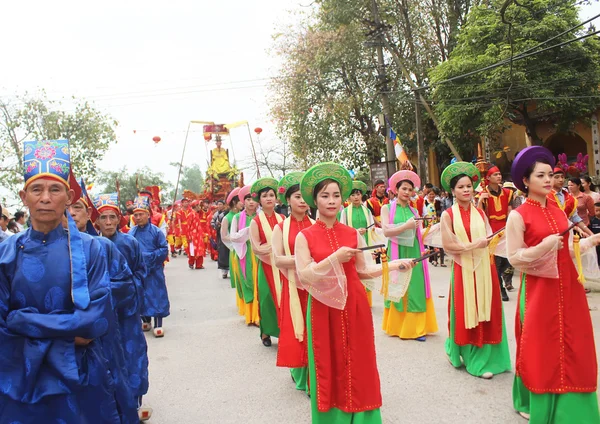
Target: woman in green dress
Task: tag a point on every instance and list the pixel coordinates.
(413, 317)
(356, 215)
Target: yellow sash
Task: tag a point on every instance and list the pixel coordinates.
(479, 310)
(268, 236)
(295, 307)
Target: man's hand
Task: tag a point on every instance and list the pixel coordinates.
(80, 341)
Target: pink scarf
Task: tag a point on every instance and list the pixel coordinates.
(396, 249)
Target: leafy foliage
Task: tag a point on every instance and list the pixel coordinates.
(191, 178)
(326, 97)
(131, 183)
(89, 131)
(558, 86)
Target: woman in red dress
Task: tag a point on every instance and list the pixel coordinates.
(269, 277)
(556, 367)
(291, 347)
(477, 334)
(343, 376)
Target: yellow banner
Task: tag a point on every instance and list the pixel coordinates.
(236, 124)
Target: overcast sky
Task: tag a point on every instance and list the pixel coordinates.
(153, 66)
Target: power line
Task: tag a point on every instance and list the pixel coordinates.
(525, 54)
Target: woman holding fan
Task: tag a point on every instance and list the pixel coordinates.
(556, 368)
(343, 376)
(477, 336)
(291, 347)
(413, 317)
(269, 278)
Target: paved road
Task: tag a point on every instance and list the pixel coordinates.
(211, 368)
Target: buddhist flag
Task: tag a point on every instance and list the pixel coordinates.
(398, 149)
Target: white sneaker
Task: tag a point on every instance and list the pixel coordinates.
(146, 326)
(159, 332)
(487, 375)
(144, 413)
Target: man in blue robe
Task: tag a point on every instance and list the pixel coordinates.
(135, 343)
(124, 299)
(55, 306)
(154, 251)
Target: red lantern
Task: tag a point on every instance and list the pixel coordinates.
(207, 137)
(156, 139)
(258, 130)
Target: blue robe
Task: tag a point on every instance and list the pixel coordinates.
(154, 251)
(136, 349)
(124, 300)
(44, 377)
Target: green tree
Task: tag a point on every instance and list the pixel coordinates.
(131, 183)
(326, 97)
(89, 131)
(192, 178)
(559, 85)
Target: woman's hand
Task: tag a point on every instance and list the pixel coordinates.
(553, 242)
(402, 264)
(481, 243)
(80, 341)
(362, 231)
(345, 254)
(411, 224)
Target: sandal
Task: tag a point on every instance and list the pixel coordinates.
(444, 266)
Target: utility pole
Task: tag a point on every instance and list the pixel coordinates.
(382, 36)
(390, 155)
(420, 148)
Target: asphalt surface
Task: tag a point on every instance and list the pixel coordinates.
(211, 368)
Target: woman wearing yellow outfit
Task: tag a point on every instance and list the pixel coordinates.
(413, 317)
(240, 241)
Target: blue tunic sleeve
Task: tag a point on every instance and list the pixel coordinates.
(37, 352)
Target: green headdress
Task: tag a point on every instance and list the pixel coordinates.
(321, 172)
(286, 182)
(458, 168)
(261, 183)
(359, 185)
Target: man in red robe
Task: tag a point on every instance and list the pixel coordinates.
(496, 202)
(196, 249)
(204, 217)
(182, 219)
(377, 200)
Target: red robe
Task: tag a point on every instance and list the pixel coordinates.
(374, 204)
(496, 208)
(291, 353)
(570, 205)
(555, 345)
(343, 340)
(268, 269)
(488, 332)
(182, 221)
(195, 235)
(418, 204)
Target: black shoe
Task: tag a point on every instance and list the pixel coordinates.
(173, 255)
(509, 287)
(225, 277)
(266, 341)
(504, 294)
(191, 266)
